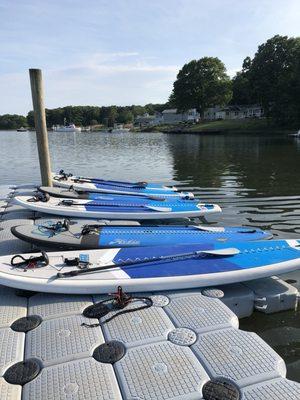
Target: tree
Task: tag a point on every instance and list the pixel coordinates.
(241, 87)
(125, 117)
(30, 119)
(94, 122)
(201, 84)
(12, 121)
(272, 79)
(112, 115)
(271, 69)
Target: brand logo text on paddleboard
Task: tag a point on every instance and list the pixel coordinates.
(130, 242)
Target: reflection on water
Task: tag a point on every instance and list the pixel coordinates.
(253, 178)
(282, 332)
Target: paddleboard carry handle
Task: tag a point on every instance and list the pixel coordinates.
(142, 185)
(90, 229)
(30, 262)
(81, 262)
(67, 202)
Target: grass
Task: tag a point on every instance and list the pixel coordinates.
(233, 126)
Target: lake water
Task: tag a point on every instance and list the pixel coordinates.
(254, 178)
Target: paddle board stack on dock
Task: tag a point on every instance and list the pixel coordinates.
(151, 345)
(111, 235)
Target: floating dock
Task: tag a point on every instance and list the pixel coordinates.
(186, 346)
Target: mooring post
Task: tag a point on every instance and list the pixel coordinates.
(37, 92)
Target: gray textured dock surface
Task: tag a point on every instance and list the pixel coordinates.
(171, 350)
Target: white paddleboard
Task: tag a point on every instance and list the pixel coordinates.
(178, 267)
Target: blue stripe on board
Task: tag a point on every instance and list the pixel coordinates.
(122, 206)
(128, 184)
(253, 255)
(165, 235)
(134, 190)
(136, 199)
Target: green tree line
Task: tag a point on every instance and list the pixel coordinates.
(93, 115)
(12, 121)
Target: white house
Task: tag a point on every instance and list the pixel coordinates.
(168, 116)
(171, 116)
(148, 120)
(234, 112)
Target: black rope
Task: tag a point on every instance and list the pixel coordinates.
(30, 262)
(40, 196)
(119, 301)
(58, 227)
(62, 176)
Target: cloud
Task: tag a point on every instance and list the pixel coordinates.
(119, 78)
(105, 79)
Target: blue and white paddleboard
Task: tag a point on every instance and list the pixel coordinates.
(118, 209)
(71, 193)
(119, 187)
(80, 235)
(152, 268)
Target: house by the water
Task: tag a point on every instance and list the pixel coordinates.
(148, 120)
(172, 116)
(168, 116)
(234, 112)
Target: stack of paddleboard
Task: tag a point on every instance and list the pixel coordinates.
(118, 252)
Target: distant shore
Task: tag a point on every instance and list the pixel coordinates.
(239, 126)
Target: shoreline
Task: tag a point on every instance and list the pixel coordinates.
(255, 126)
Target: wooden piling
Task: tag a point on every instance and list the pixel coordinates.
(37, 92)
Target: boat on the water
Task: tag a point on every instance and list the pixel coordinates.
(22, 129)
(66, 128)
(118, 128)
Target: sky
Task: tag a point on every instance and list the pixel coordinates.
(123, 52)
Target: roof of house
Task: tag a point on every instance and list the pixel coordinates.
(234, 107)
(170, 111)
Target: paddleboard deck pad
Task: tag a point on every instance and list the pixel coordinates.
(117, 209)
(152, 268)
(79, 235)
(100, 185)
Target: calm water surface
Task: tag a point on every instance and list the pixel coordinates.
(254, 178)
